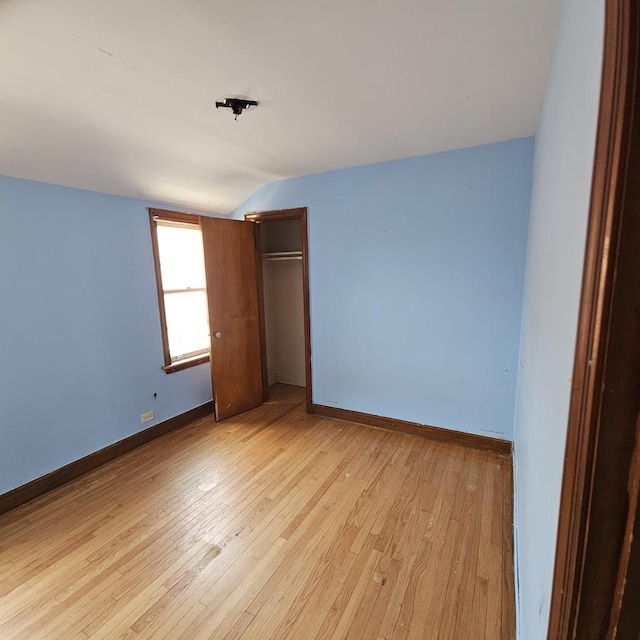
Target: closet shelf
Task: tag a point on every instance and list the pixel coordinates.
(282, 255)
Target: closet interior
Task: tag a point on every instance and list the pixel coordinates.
(283, 294)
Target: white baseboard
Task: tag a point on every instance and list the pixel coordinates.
(271, 379)
(294, 380)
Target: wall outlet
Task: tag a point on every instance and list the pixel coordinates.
(145, 417)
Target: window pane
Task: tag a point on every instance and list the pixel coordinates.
(181, 257)
(187, 322)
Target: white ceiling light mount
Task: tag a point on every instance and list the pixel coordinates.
(237, 105)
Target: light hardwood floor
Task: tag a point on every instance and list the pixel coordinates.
(273, 524)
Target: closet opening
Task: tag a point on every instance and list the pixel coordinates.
(283, 290)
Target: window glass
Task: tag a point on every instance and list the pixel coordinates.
(181, 257)
(187, 323)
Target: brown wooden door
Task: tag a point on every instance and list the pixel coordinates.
(232, 292)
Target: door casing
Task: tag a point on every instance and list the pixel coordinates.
(299, 213)
(596, 586)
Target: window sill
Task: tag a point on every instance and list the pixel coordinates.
(185, 364)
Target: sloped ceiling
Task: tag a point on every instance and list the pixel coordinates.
(119, 96)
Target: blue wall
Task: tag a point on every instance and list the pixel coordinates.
(560, 204)
(416, 276)
(416, 285)
(81, 342)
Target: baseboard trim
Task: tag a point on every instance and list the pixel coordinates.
(294, 380)
(486, 443)
(39, 486)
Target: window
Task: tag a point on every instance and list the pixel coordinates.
(182, 295)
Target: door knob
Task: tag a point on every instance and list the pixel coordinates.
(217, 334)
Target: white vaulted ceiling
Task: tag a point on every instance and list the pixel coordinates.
(119, 96)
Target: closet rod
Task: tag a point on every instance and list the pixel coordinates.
(283, 255)
(275, 259)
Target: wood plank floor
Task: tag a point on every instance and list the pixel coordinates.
(274, 524)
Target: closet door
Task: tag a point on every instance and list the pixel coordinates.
(234, 323)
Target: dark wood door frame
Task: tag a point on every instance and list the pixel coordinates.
(299, 213)
(596, 588)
